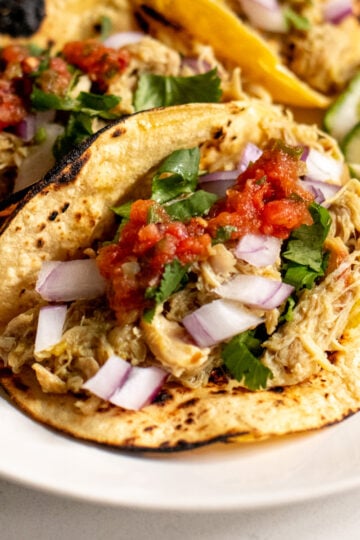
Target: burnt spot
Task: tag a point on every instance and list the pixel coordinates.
(64, 207)
(218, 377)
(41, 226)
(188, 403)
(149, 428)
(70, 173)
(20, 385)
(21, 18)
(162, 397)
(53, 215)
(189, 421)
(219, 134)
(40, 243)
(5, 373)
(156, 16)
(118, 132)
(218, 392)
(277, 389)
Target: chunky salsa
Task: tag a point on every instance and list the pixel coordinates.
(267, 198)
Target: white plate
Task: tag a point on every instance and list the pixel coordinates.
(221, 477)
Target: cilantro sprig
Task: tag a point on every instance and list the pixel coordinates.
(163, 91)
(177, 175)
(241, 357)
(174, 278)
(304, 258)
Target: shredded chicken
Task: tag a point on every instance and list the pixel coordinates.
(323, 65)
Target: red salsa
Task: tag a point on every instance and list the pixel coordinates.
(267, 198)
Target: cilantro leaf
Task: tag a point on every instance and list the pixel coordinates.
(197, 204)
(173, 279)
(163, 91)
(304, 259)
(85, 102)
(123, 210)
(78, 128)
(177, 175)
(295, 20)
(223, 234)
(240, 357)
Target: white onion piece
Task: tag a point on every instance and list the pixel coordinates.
(323, 168)
(65, 281)
(322, 191)
(40, 159)
(140, 388)
(258, 249)
(120, 39)
(256, 291)
(250, 154)
(265, 14)
(50, 327)
(336, 10)
(109, 377)
(218, 321)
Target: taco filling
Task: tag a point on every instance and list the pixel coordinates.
(192, 277)
(195, 280)
(52, 100)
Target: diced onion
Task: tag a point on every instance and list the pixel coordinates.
(197, 65)
(50, 327)
(336, 10)
(140, 388)
(323, 168)
(120, 39)
(218, 321)
(124, 385)
(322, 191)
(256, 291)
(109, 377)
(65, 281)
(265, 14)
(250, 154)
(258, 249)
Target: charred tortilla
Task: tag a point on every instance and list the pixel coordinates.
(69, 211)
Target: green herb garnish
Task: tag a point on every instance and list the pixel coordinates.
(197, 204)
(163, 91)
(304, 258)
(177, 175)
(241, 357)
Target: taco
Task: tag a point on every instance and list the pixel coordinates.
(89, 301)
(303, 52)
(59, 87)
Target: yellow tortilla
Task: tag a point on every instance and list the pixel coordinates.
(210, 21)
(69, 210)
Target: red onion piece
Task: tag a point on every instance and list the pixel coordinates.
(218, 188)
(323, 168)
(265, 14)
(120, 39)
(336, 10)
(65, 281)
(140, 388)
(322, 191)
(26, 129)
(256, 291)
(217, 321)
(109, 377)
(50, 327)
(250, 154)
(196, 64)
(258, 249)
